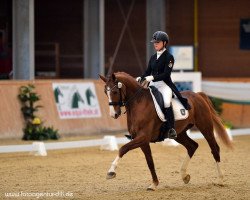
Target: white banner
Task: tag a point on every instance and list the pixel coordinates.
(229, 91)
(76, 100)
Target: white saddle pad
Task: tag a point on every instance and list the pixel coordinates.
(180, 113)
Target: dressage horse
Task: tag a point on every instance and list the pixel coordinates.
(144, 124)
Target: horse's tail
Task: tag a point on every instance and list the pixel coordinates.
(218, 125)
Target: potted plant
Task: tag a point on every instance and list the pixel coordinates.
(34, 129)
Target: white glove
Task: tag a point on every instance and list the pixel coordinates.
(138, 79)
(149, 78)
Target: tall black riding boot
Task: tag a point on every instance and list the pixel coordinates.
(170, 117)
(168, 126)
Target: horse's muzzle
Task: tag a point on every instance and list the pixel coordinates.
(117, 114)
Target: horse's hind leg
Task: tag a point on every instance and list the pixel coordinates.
(207, 132)
(191, 147)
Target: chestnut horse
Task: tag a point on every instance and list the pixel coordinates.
(144, 124)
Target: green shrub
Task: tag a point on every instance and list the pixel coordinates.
(34, 130)
(217, 103)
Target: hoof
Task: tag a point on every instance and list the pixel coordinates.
(111, 175)
(152, 187)
(186, 179)
(220, 182)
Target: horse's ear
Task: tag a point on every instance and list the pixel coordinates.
(103, 78)
(113, 77)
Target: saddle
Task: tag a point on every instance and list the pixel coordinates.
(180, 113)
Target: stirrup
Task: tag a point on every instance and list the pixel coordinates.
(172, 134)
(128, 136)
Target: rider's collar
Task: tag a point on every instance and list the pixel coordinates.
(160, 52)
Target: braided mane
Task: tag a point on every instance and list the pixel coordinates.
(127, 79)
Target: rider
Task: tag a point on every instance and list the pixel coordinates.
(158, 74)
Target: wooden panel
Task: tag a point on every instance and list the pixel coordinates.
(126, 58)
(180, 22)
(11, 119)
(219, 24)
(238, 115)
(61, 21)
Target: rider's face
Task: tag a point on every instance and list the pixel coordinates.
(159, 45)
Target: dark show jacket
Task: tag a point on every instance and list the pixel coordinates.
(161, 69)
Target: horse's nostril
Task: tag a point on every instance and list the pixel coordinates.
(116, 115)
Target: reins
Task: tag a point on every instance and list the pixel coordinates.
(134, 96)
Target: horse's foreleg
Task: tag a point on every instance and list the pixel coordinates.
(148, 155)
(111, 173)
(137, 142)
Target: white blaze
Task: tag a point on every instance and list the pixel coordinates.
(111, 108)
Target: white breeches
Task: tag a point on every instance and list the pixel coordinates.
(165, 91)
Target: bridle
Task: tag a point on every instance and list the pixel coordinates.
(122, 102)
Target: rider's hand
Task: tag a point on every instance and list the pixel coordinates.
(138, 79)
(149, 78)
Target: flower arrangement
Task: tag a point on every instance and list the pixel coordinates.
(34, 129)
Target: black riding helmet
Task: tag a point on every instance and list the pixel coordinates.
(160, 36)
